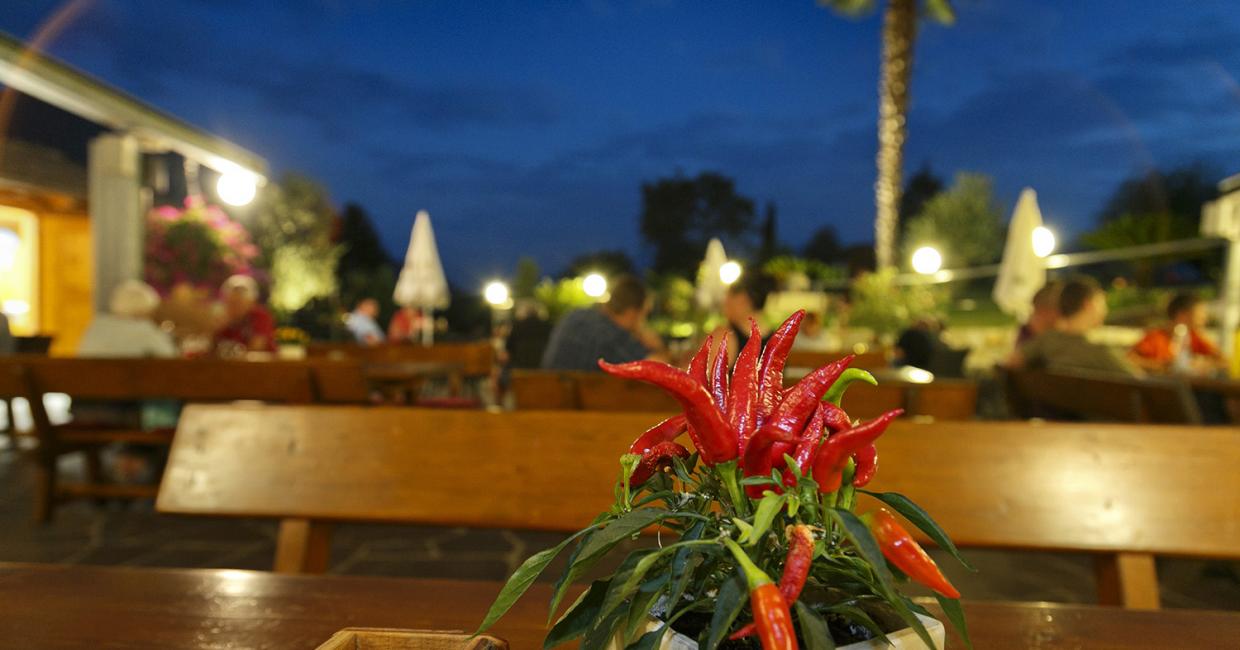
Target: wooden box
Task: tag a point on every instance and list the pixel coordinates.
(369, 638)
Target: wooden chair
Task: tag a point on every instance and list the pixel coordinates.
(597, 391)
(1099, 396)
(1080, 488)
(130, 381)
(544, 390)
(875, 358)
(338, 382)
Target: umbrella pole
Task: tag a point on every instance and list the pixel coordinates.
(428, 327)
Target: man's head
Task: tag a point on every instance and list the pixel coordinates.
(368, 307)
(1082, 303)
(747, 296)
(133, 299)
(1046, 306)
(628, 302)
(238, 293)
(1188, 309)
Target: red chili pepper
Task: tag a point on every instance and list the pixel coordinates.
(796, 569)
(807, 447)
(771, 371)
(743, 400)
(719, 376)
(800, 401)
(697, 365)
(836, 418)
(867, 464)
(715, 441)
(761, 458)
(770, 609)
(839, 447)
(901, 550)
(654, 459)
(665, 431)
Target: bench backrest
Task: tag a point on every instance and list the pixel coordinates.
(476, 358)
(196, 380)
(1066, 487)
(1096, 396)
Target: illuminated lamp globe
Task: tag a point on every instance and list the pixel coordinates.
(236, 188)
(1043, 241)
(729, 272)
(594, 285)
(496, 293)
(927, 260)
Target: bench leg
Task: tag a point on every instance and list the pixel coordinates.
(303, 546)
(1128, 580)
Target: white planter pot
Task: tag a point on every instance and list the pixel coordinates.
(905, 639)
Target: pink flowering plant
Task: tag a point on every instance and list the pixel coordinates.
(199, 245)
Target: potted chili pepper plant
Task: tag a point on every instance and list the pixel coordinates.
(771, 489)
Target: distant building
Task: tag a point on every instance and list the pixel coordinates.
(80, 165)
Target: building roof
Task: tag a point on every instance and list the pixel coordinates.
(52, 81)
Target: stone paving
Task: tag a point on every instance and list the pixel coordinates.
(134, 535)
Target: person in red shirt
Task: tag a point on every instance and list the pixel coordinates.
(405, 326)
(248, 326)
(1156, 351)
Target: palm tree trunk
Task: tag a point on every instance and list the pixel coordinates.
(899, 34)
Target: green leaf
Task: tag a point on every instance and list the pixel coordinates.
(793, 465)
(940, 11)
(768, 508)
(522, 578)
(598, 544)
(601, 634)
(626, 579)
(813, 629)
(580, 615)
(860, 536)
(836, 392)
(955, 614)
(862, 618)
(651, 640)
(922, 520)
(745, 528)
(728, 604)
(639, 607)
(758, 480)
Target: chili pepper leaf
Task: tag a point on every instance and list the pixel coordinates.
(728, 604)
(625, 581)
(643, 601)
(860, 536)
(650, 640)
(678, 590)
(836, 392)
(598, 544)
(746, 529)
(768, 509)
(602, 633)
(955, 614)
(580, 615)
(793, 465)
(813, 629)
(922, 520)
(860, 617)
(759, 480)
(522, 578)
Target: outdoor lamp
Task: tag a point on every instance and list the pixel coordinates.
(927, 260)
(1043, 241)
(729, 272)
(496, 293)
(594, 285)
(236, 188)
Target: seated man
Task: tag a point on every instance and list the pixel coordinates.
(614, 331)
(1159, 351)
(1044, 315)
(361, 322)
(248, 326)
(1064, 348)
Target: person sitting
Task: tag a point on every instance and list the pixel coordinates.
(614, 331)
(1159, 350)
(127, 329)
(1045, 313)
(361, 322)
(527, 338)
(1065, 348)
(248, 326)
(813, 336)
(744, 299)
(405, 326)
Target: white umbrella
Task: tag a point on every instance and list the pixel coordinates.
(1022, 272)
(710, 287)
(422, 283)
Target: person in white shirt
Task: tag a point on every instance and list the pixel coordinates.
(127, 330)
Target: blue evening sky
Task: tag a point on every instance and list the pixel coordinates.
(528, 127)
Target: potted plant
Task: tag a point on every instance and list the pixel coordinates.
(772, 489)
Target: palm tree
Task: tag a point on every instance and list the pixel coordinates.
(899, 36)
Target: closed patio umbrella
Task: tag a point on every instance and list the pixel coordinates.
(710, 287)
(1021, 272)
(422, 283)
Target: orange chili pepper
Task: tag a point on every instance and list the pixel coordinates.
(908, 556)
(770, 609)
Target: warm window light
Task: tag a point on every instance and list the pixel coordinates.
(594, 285)
(1043, 241)
(496, 293)
(9, 243)
(15, 307)
(236, 188)
(729, 272)
(927, 260)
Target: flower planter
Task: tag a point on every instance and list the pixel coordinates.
(365, 638)
(905, 639)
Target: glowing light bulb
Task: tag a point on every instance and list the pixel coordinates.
(594, 285)
(927, 260)
(236, 188)
(496, 293)
(1043, 241)
(729, 272)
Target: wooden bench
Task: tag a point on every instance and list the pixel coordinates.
(943, 399)
(476, 359)
(131, 381)
(1122, 493)
(1100, 397)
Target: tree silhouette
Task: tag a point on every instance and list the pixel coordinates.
(679, 215)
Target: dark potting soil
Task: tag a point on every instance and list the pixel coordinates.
(843, 631)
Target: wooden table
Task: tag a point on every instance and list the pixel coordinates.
(57, 606)
(400, 381)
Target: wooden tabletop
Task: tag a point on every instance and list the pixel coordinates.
(406, 370)
(58, 606)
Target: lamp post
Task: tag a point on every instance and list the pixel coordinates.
(498, 296)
